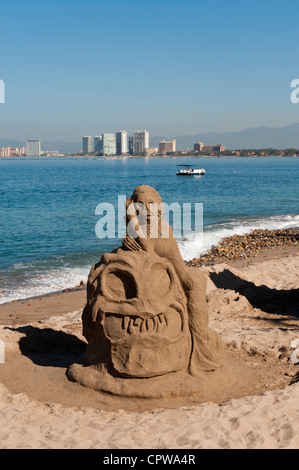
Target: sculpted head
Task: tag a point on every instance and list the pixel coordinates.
(146, 204)
(138, 316)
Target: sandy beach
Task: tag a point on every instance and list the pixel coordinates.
(253, 304)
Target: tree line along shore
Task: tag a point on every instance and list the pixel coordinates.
(268, 152)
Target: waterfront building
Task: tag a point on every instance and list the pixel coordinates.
(140, 142)
(109, 143)
(198, 146)
(12, 151)
(52, 153)
(151, 151)
(167, 146)
(121, 142)
(86, 144)
(98, 140)
(33, 148)
(5, 152)
(213, 148)
(131, 145)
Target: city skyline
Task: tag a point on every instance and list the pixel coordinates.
(226, 72)
(257, 138)
(116, 143)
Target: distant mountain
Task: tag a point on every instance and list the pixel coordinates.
(255, 138)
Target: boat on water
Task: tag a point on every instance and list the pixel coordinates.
(190, 170)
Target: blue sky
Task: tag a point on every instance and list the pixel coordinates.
(176, 67)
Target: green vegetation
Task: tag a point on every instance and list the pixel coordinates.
(267, 152)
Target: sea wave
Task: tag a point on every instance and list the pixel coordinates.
(24, 281)
(199, 243)
(33, 284)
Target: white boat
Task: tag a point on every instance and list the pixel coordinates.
(189, 170)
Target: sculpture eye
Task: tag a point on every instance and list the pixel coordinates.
(160, 281)
(120, 285)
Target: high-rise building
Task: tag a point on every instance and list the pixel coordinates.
(33, 148)
(131, 145)
(121, 142)
(109, 143)
(140, 142)
(198, 146)
(167, 146)
(86, 144)
(98, 140)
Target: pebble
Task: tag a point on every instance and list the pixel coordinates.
(240, 247)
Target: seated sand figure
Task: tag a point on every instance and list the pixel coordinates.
(146, 313)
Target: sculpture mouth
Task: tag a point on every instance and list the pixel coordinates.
(135, 325)
(118, 327)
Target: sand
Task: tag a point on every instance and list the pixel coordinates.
(252, 303)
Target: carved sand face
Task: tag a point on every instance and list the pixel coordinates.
(143, 314)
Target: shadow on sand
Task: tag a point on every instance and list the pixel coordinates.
(281, 302)
(50, 348)
(295, 379)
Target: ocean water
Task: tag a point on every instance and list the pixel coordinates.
(48, 209)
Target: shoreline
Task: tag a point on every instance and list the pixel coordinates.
(67, 300)
(252, 303)
(120, 157)
(241, 247)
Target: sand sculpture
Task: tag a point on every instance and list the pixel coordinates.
(146, 318)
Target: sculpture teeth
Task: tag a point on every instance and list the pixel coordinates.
(135, 325)
(143, 326)
(131, 328)
(126, 321)
(162, 322)
(137, 322)
(156, 323)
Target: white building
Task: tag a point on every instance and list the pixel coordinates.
(121, 142)
(109, 143)
(140, 142)
(33, 148)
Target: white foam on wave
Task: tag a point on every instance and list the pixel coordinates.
(36, 284)
(40, 283)
(197, 244)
